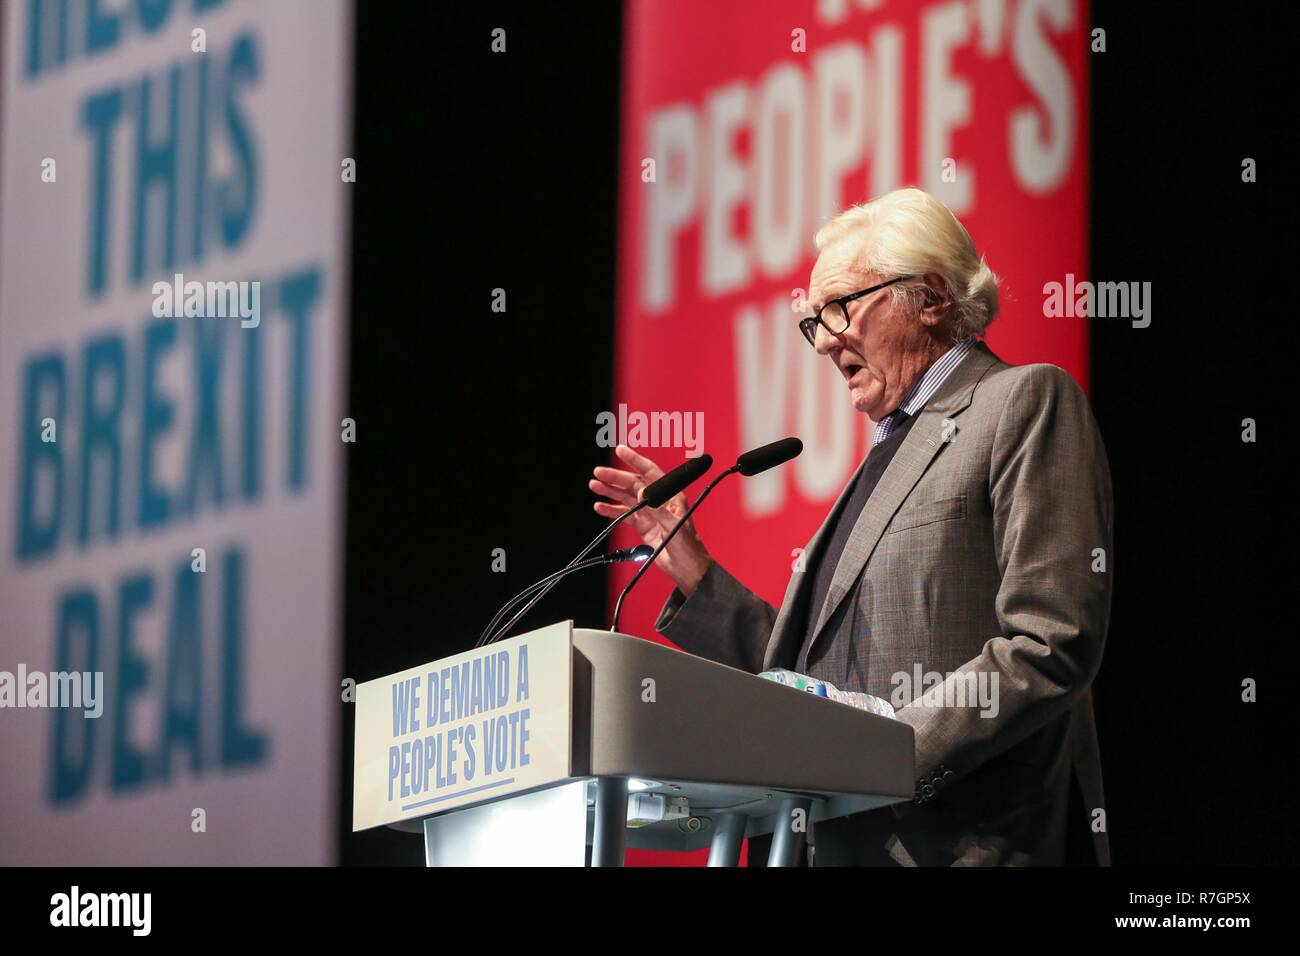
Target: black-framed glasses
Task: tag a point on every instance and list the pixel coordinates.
(834, 315)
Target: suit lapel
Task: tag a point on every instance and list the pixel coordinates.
(923, 443)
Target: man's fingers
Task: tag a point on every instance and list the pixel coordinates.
(622, 496)
(665, 516)
(618, 478)
(643, 465)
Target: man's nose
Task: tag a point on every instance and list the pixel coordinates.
(824, 341)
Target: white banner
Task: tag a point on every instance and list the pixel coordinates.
(173, 280)
(475, 726)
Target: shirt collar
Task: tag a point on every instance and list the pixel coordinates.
(924, 388)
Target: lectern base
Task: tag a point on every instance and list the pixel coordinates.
(544, 828)
(607, 837)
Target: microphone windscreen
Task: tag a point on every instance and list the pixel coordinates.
(768, 456)
(656, 494)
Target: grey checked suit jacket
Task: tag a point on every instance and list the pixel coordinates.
(989, 552)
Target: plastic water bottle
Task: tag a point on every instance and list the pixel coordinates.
(821, 688)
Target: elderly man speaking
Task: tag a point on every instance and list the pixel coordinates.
(973, 542)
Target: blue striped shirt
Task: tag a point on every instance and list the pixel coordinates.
(923, 388)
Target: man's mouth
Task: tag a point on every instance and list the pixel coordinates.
(851, 370)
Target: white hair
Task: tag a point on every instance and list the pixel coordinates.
(908, 232)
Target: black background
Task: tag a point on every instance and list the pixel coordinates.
(479, 171)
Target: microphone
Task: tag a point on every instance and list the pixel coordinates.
(654, 495)
(753, 462)
(658, 493)
(641, 552)
(761, 459)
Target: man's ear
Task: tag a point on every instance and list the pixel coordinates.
(936, 302)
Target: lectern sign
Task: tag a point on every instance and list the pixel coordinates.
(486, 723)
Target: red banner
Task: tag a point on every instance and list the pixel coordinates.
(749, 123)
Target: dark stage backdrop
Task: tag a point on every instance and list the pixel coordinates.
(481, 171)
(1204, 520)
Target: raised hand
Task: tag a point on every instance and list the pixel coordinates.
(685, 560)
